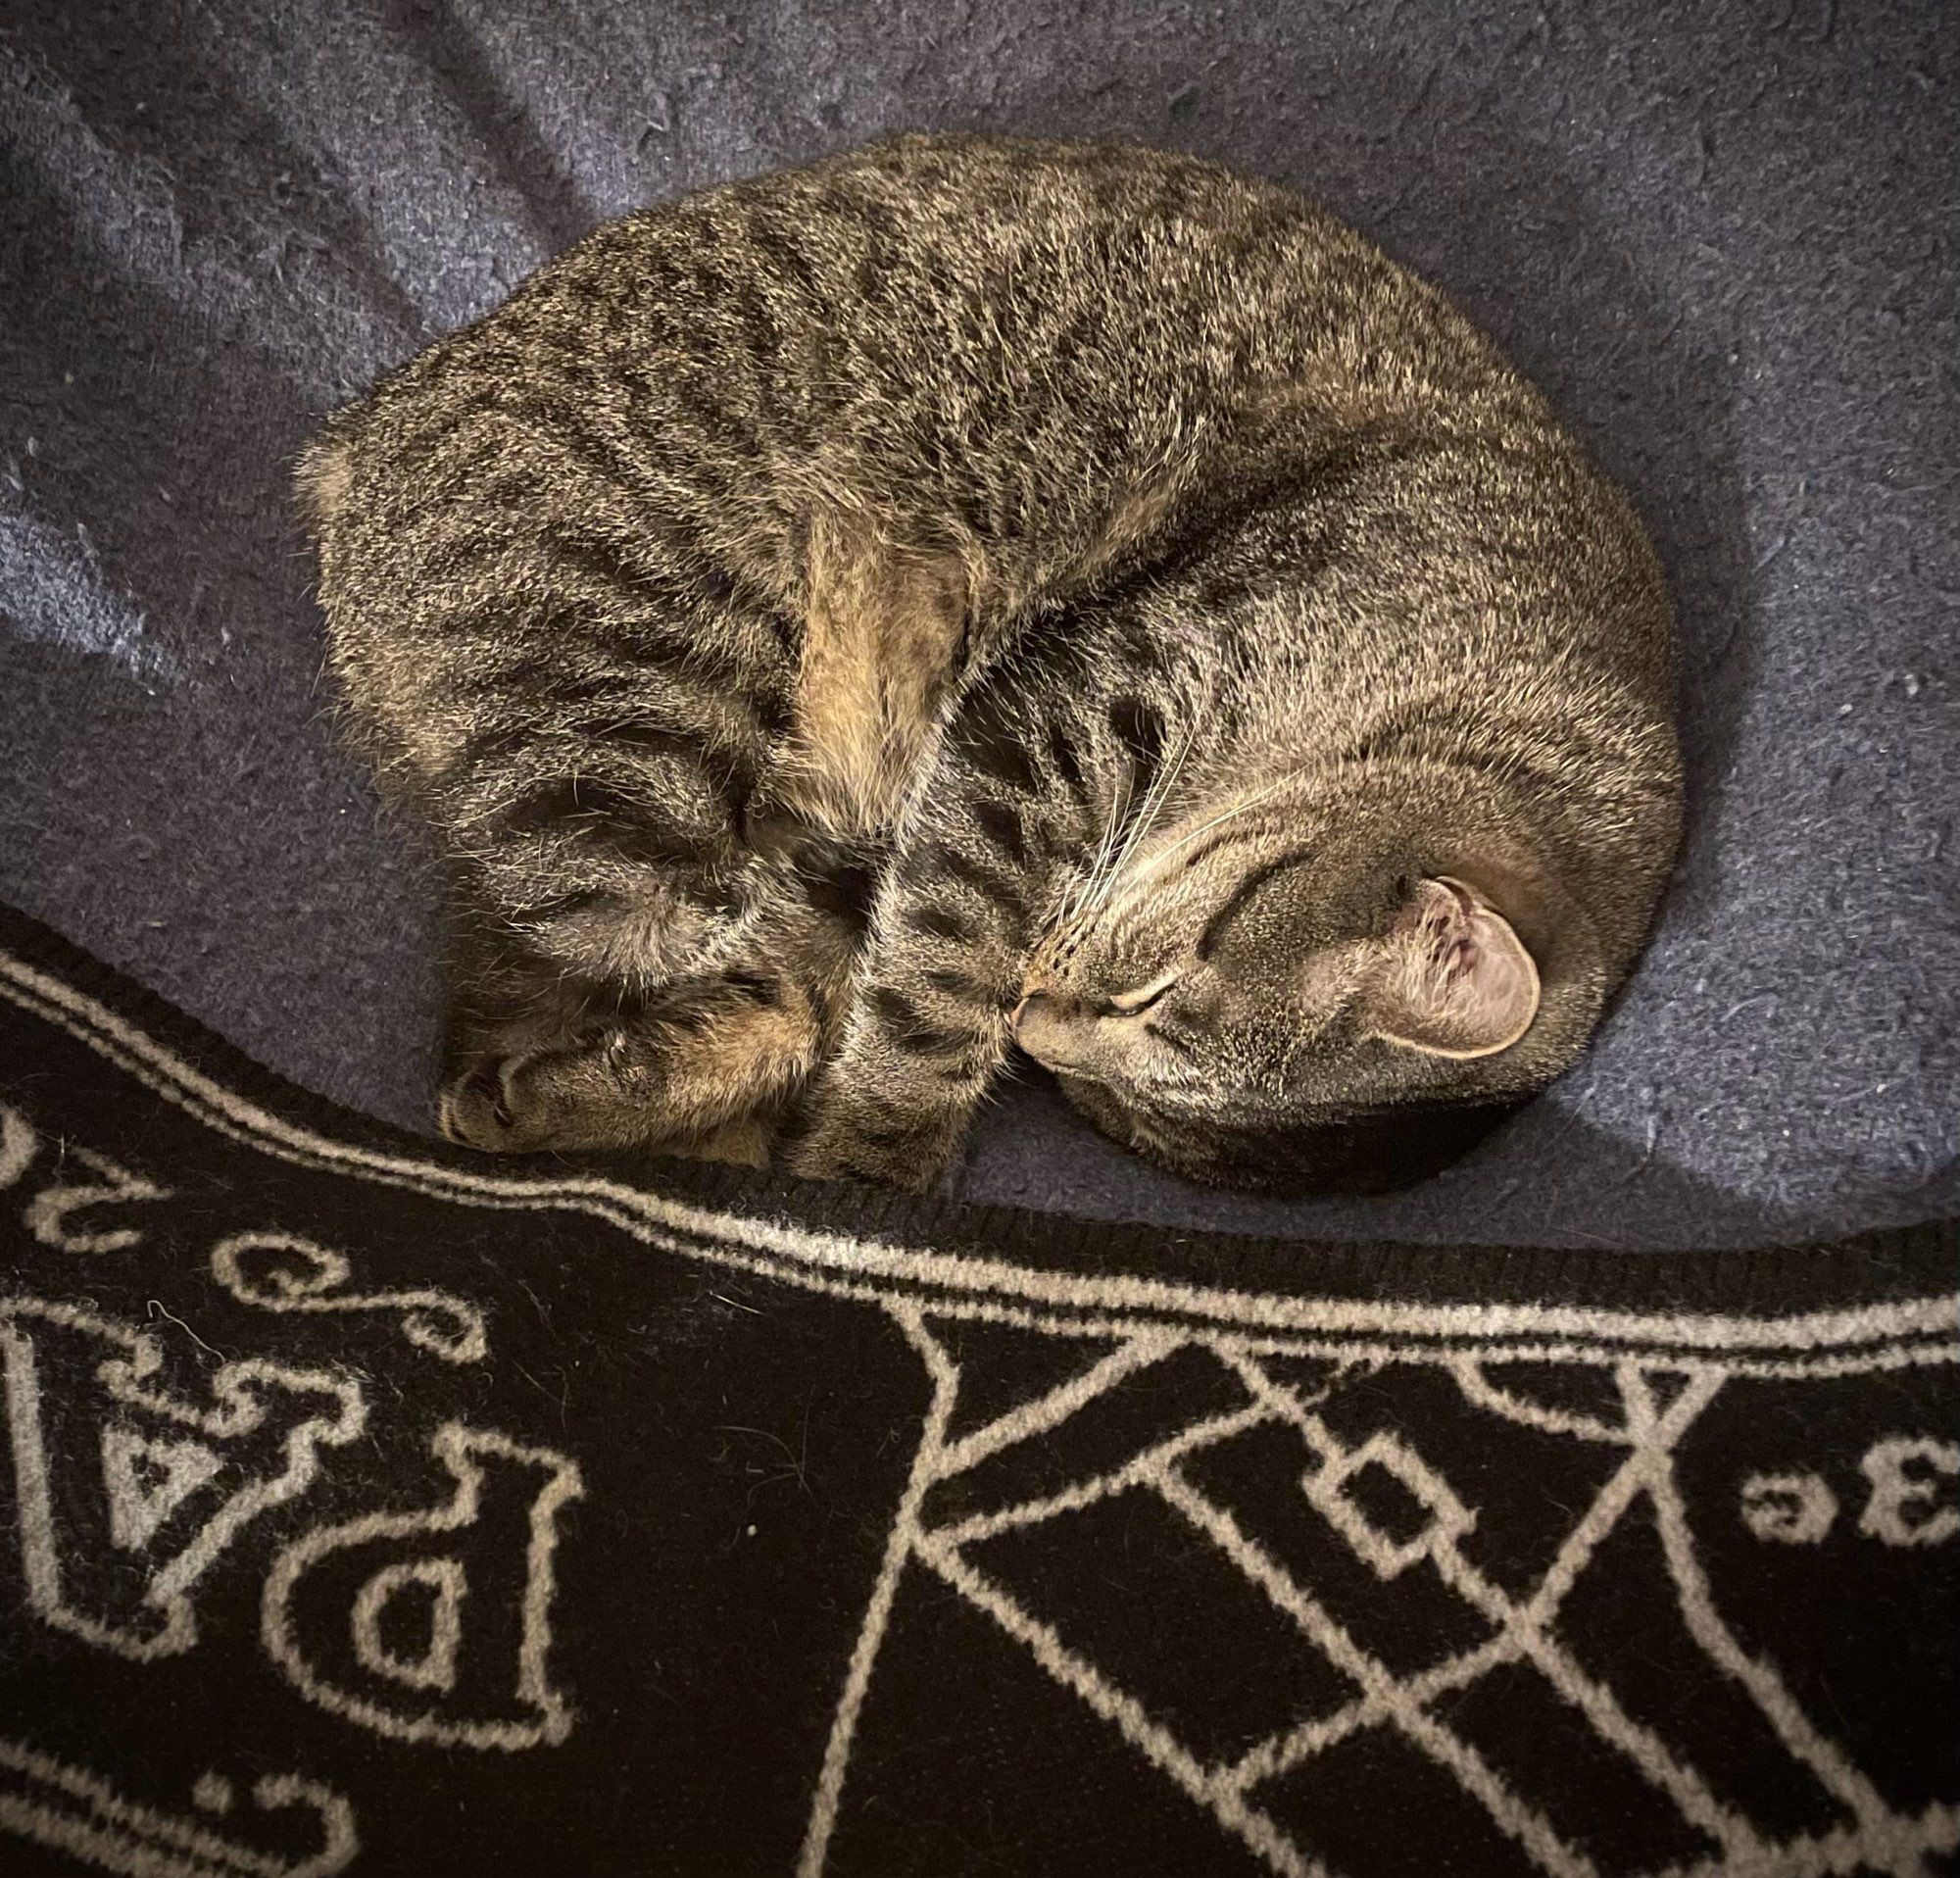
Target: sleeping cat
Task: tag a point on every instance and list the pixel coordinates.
(969, 593)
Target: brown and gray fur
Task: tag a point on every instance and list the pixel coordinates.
(847, 621)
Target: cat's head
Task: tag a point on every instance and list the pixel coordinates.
(1336, 990)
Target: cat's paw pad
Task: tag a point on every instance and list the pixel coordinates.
(493, 1107)
(472, 1112)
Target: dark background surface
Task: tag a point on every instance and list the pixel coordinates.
(1721, 236)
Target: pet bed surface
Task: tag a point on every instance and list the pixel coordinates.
(1721, 236)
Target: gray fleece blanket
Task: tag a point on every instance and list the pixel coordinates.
(1721, 235)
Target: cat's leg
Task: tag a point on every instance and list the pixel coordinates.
(1004, 814)
(589, 735)
(707, 1065)
(601, 814)
(665, 843)
(591, 902)
(695, 1073)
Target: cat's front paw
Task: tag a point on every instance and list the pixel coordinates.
(849, 1144)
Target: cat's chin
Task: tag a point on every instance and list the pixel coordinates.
(1363, 1156)
(1097, 1103)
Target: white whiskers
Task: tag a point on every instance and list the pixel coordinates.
(1238, 809)
(1092, 892)
(1147, 816)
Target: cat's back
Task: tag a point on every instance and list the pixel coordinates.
(1021, 363)
(943, 318)
(937, 255)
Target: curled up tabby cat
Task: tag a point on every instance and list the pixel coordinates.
(971, 594)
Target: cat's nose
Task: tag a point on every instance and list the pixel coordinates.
(1048, 1026)
(1041, 1014)
(1034, 1005)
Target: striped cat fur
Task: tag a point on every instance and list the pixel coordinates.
(968, 593)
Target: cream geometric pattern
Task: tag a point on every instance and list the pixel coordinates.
(1656, 1408)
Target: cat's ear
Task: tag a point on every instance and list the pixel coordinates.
(1456, 980)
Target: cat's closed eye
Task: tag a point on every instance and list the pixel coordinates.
(1133, 1003)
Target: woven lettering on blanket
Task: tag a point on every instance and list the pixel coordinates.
(367, 1506)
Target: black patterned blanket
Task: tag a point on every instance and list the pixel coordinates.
(371, 1508)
